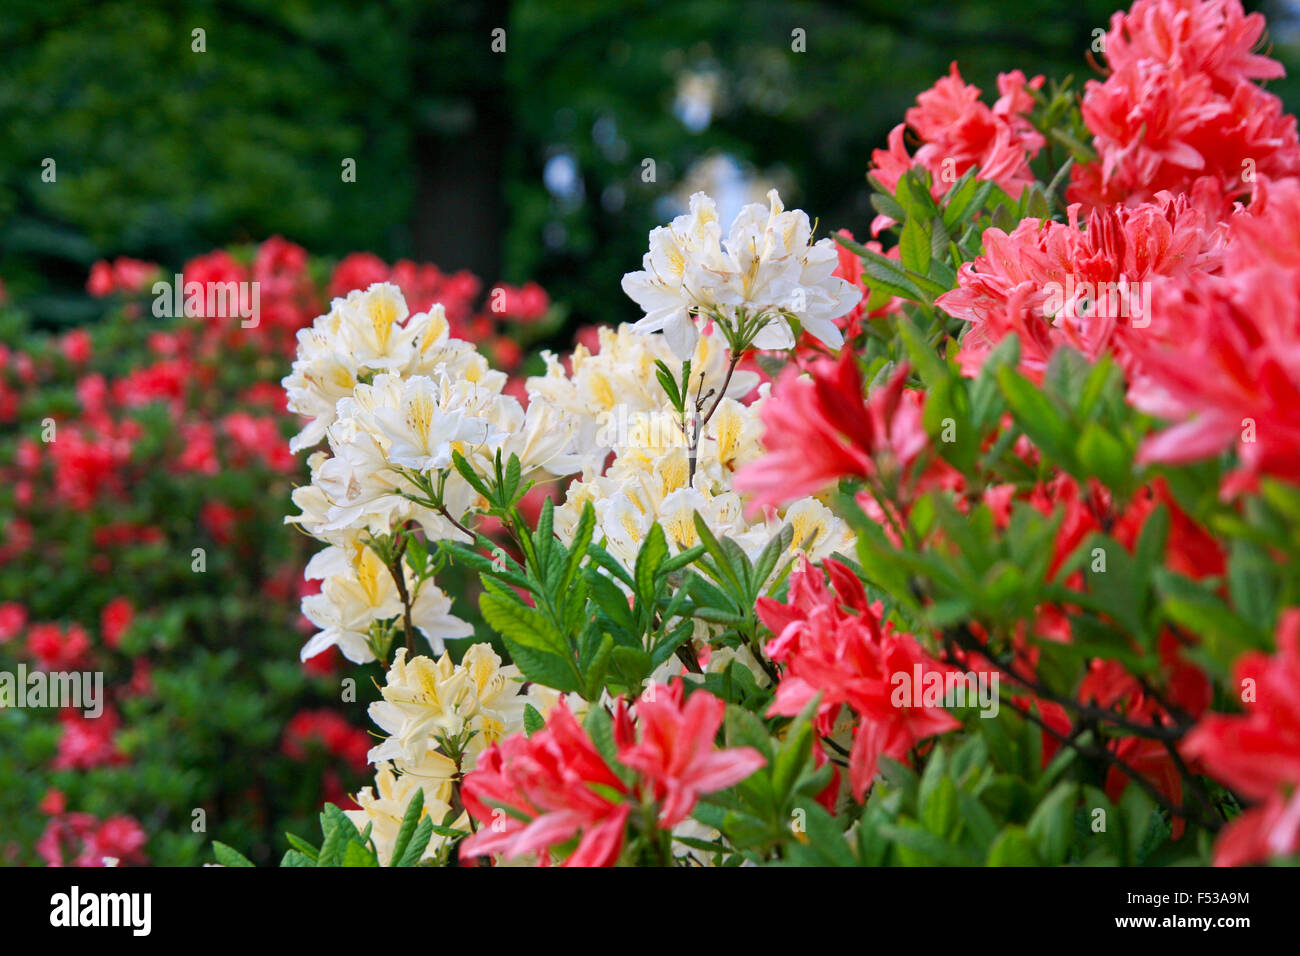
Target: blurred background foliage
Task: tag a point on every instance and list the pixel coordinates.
(523, 164)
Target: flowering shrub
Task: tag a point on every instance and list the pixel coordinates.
(977, 550)
(144, 473)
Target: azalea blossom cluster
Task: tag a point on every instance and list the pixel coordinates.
(533, 793)
(438, 718)
(1105, 254)
(400, 402)
(849, 658)
(972, 465)
(1181, 109)
(960, 133)
(654, 475)
(166, 453)
(767, 272)
(397, 397)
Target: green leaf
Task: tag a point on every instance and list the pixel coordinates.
(466, 471)
(1252, 583)
(419, 843)
(1038, 415)
(303, 847)
(596, 667)
(1013, 847)
(887, 205)
(520, 624)
(932, 369)
(1225, 636)
(772, 552)
(681, 559)
(514, 474)
(358, 855)
(939, 813)
(653, 553)
(338, 832)
(578, 549)
(1052, 825)
(668, 382)
(721, 564)
(1102, 455)
(914, 247)
(1138, 810)
(605, 560)
(229, 856)
(410, 820)
(882, 273)
(925, 848)
(967, 202)
(533, 720)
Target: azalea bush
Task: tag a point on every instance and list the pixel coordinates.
(144, 474)
(972, 543)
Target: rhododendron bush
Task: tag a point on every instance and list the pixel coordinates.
(144, 472)
(968, 542)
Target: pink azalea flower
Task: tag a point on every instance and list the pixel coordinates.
(676, 755)
(1223, 365)
(530, 794)
(1258, 753)
(851, 658)
(958, 132)
(1179, 110)
(819, 429)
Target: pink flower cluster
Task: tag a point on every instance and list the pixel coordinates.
(534, 794)
(836, 643)
(959, 131)
(1180, 110)
(1223, 363)
(81, 839)
(1258, 754)
(1019, 285)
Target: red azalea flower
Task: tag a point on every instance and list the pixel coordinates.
(529, 794)
(676, 754)
(13, 618)
(1258, 753)
(114, 619)
(76, 346)
(360, 270)
(88, 742)
(819, 429)
(851, 658)
(1179, 110)
(959, 132)
(1231, 377)
(56, 648)
(119, 838)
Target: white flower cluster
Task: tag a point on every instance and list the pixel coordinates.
(765, 273)
(615, 396)
(395, 396)
(439, 717)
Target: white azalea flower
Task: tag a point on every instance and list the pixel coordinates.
(422, 431)
(348, 603)
(766, 272)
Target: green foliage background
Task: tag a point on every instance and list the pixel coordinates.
(163, 153)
